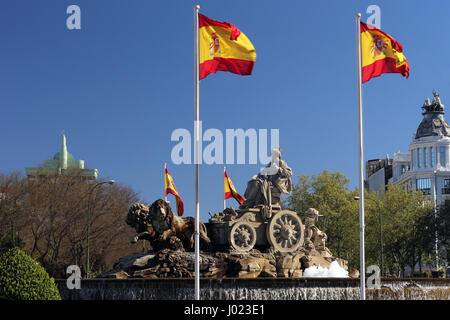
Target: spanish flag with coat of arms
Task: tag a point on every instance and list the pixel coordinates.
(169, 187)
(223, 47)
(230, 190)
(380, 53)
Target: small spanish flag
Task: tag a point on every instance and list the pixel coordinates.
(380, 53)
(222, 47)
(170, 188)
(230, 191)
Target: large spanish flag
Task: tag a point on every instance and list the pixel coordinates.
(170, 188)
(222, 47)
(230, 191)
(380, 53)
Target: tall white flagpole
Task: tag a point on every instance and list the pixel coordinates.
(224, 196)
(196, 154)
(361, 160)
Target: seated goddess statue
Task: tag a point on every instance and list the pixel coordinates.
(266, 187)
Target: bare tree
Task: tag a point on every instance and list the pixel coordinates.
(50, 215)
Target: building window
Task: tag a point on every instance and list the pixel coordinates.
(413, 158)
(419, 158)
(424, 185)
(446, 188)
(433, 157)
(446, 183)
(442, 159)
(425, 157)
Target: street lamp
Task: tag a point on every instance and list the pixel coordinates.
(89, 221)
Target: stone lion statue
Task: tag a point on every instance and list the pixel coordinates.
(162, 228)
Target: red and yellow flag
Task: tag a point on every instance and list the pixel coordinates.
(380, 53)
(230, 191)
(170, 188)
(222, 47)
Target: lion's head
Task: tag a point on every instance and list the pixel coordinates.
(161, 215)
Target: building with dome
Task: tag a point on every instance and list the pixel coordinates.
(63, 163)
(426, 165)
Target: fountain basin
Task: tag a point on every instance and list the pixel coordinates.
(256, 289)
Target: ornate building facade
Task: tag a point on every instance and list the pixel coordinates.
(426, 165)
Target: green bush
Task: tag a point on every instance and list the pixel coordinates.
(22, 278)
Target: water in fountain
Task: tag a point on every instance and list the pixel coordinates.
(334, 271)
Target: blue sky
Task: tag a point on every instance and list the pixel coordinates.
(119, 86)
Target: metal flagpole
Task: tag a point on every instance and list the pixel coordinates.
(224, 195)
(165, 195)
(196, 154)
(361, 159)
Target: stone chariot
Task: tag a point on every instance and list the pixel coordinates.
(244, 229)
(260, 221)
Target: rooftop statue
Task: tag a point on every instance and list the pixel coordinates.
(433, 122)
(434, 106)
(437, 104)
(426, 104)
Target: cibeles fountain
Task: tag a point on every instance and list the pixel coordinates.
(258, 251)
(259, 239)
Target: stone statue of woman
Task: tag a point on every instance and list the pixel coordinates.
(266, 187)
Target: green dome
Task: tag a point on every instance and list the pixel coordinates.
(69, 157)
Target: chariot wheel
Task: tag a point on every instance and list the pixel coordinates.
(242, 236)
(285, 231)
